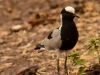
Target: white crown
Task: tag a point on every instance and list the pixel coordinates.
(70, 9)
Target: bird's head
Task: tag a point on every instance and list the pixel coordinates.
(68, 13)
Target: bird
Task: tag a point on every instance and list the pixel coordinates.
(63, 38)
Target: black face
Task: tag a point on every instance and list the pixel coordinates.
(67, 15)
(65, 12)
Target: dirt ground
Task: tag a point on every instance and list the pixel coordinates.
(24, 23)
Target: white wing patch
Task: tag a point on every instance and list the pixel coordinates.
(54, 42)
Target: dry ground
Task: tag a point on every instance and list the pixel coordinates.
(37, 18)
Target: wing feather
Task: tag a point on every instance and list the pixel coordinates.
(54, 42)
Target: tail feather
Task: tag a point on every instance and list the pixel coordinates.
(39, 46)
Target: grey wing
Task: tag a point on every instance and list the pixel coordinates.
(53, 41)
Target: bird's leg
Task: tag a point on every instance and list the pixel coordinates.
(58, 56)
(65, 66)
(58, 68)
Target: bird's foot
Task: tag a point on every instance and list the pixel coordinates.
(66, 71)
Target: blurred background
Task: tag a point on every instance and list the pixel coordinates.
(24, 23)
(16, 11)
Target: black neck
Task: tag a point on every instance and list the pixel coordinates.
(67, 21)
(68, 18)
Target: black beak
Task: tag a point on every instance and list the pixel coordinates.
(76, 16)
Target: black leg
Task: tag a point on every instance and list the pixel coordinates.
(65, 66)
(58, 68)
(58, 56)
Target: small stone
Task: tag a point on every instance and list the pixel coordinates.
(9, 10)
(16, 27)
(2, 41)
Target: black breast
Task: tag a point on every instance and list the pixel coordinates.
(69, 35)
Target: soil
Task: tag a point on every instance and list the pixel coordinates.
(24, 23)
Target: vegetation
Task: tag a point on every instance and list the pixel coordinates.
(92, 46)
(76, 60)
